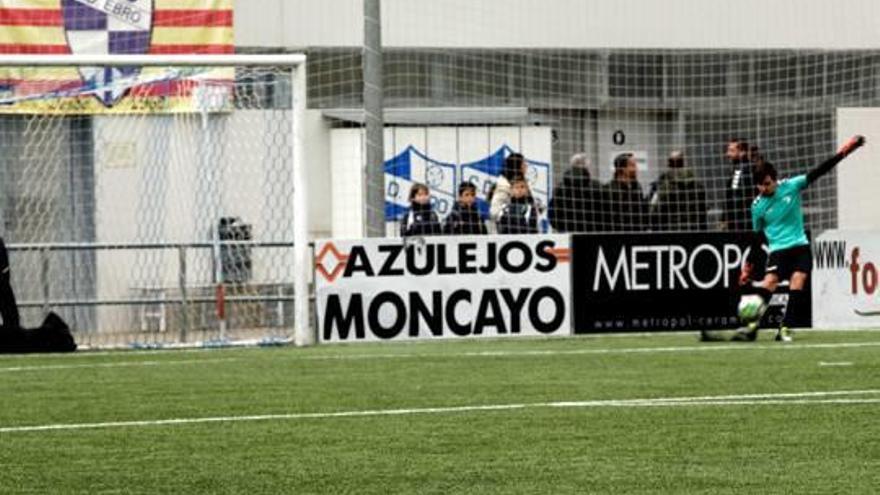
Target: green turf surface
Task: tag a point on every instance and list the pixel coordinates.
(631, 437)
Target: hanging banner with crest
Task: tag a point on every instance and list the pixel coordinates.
(113, 27)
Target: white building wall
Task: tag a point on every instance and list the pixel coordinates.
(152, 185)
(857, 177)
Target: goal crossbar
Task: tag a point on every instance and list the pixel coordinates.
(292, 59)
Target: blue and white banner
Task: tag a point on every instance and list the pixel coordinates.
(411, 165)
(484, 173)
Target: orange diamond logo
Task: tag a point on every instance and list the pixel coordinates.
(332, 255)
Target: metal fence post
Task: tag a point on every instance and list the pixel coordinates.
(44, 277)
(184, 300)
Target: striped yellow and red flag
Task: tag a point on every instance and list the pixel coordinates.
(43, 27)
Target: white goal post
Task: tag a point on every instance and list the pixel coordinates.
(293, 142)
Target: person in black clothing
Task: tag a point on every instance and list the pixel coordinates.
(420, 219)
(677, 199)
(576, 203)
(520, 214)
(464, 219)
(740, 187)
(755, 156)
(8, 306)
(625, 208)
(52, 336)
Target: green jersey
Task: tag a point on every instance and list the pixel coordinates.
(780, 216)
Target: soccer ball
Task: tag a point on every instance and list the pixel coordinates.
(750, 309)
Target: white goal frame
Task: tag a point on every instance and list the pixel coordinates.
(303, 333)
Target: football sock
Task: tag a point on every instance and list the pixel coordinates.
(794, 310)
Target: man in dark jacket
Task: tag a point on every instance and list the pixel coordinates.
(625, 208)
(576, 202)
(740, 187)
(678, 200)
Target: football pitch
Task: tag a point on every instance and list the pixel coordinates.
(656, 413)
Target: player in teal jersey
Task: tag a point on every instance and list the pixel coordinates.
(778, 215)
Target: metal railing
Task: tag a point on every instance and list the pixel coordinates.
(182, 296)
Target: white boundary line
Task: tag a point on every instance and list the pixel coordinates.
(130, 364)
(296, 356)
(577, 352)
(697, 347)
(837, 397)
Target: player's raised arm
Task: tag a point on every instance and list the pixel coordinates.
(851, 145)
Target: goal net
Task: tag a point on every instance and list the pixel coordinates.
(468, 83)
(151, 200)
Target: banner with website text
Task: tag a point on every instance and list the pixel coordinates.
(669, 281)
(115, 27)
(846, 279)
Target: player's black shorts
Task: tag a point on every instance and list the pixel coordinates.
(787, 261)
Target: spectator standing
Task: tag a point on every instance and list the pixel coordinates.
(740, 188)
(576, 202)
(624, 206)
(678, 200)
(421, 219)
(514, 167)
(465, 219)
(520, 214)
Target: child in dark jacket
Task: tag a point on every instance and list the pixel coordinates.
(464, 219)
(520, 214)
(420, 220)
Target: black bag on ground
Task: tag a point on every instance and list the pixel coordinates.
(52, 336)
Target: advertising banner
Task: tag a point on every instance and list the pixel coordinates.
(442, 287)
(845, 284)
(675, 281)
